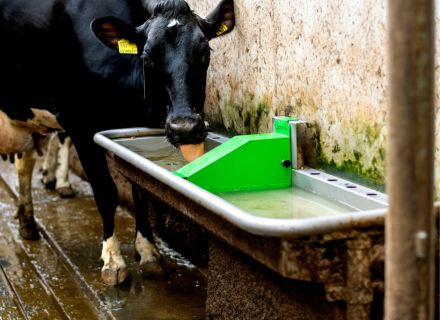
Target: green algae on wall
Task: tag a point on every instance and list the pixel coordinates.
(248, 116)
(351, 167)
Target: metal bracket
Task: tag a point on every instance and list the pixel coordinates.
(293, 139)
(294, 142)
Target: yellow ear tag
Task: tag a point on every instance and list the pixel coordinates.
(127, 47)
(221, 29)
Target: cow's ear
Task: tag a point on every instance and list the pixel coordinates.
(110, 30)
(221, 20)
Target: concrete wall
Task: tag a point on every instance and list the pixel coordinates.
(323, 61)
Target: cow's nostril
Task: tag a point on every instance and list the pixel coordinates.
(183, 127)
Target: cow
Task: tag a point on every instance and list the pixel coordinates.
(55, 168)
(83, 66)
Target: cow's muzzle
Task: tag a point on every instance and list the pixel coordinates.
(185, 130)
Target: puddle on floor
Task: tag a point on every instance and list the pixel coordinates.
(76, 226)
(286, 203)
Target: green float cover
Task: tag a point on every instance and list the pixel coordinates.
(250, 162)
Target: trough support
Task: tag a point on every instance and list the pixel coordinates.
(409, 235)
(359, 287)
(357, 290)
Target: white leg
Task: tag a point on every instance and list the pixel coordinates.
(114, 270)
(147, 251)
(50, 163)
(62, 172)
(151, 261)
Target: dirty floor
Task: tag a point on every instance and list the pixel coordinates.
(58, 276)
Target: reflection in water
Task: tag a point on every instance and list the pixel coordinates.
(150, 297)
(286, 203)
(115, 298)
(168, 157)
(159, 151)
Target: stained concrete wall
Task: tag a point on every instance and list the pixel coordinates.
(323, 61)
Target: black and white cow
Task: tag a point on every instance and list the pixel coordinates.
(62, 69)
(55, 168)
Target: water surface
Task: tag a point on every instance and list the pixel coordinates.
(286, 203)
(159, 151)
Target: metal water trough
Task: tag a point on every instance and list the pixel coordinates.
(338, 251)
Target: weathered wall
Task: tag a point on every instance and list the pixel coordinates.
(323, 61)
(437, 100)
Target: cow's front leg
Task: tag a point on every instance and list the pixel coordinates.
(114, 270)
(25, 214)
(63, 186)
(151, 262)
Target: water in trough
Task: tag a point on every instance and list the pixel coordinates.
(287, 203)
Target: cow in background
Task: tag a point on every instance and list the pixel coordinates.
(142, 64)
(55, 168)
(55, 175)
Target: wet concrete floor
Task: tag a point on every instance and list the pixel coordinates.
(58, 276)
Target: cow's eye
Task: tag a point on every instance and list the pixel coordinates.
(206, 56)
(147, 62)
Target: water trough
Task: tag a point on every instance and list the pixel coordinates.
(335, 242)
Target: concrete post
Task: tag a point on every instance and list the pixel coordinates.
(409, 265)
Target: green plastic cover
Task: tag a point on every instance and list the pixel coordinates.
(249, 162)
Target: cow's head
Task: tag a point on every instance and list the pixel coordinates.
(173, 48)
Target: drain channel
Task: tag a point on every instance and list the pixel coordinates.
(58, 253)
(11, 290)
(8, 189)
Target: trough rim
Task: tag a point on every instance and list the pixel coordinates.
(269, 227)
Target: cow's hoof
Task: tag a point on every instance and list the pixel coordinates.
(66, 192)
(154, 267)
(113, 278)
(29, 232)
(49, 184)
